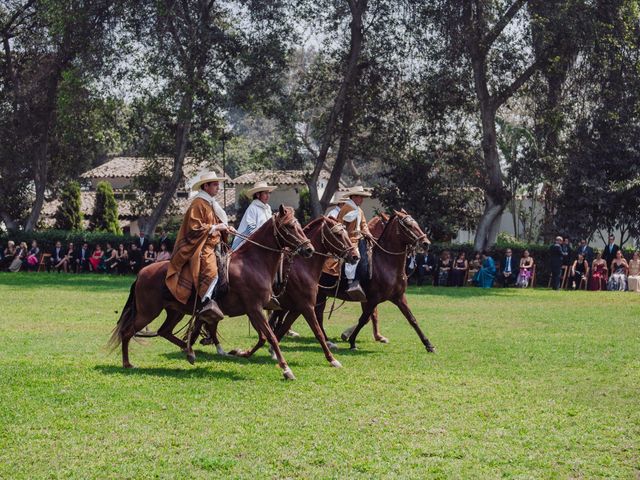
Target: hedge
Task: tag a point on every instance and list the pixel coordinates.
(47, 238)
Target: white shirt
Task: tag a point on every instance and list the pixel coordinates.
(254, 217)
(353, 214)
(333, 213)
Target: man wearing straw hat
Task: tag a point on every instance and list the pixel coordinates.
(193, 263)
(352, 216)
(257, 213)
(337, 200)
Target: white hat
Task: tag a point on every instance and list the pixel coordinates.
(337, 198)
(206, 177)
(358, 190)
(260, 187)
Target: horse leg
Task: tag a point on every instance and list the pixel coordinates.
(402, 304)
(212, 330)
(310, 317)
(260, 323)
(139, 322)
(166, 331)
(367, 310)
(376, 329)
(321, 302)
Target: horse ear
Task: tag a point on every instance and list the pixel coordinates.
(396, 212)
(281, 209)
(402, 210)
(384, 216)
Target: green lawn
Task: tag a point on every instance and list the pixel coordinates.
(525, 384)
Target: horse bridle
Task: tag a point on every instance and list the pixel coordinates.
(283, 234)
(334, 242)
(407, 223)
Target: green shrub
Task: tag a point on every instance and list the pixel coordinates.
(105, 211)
(68, 215)
(303, 212)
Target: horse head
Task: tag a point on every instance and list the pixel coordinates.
(409, 229)
(288, 232)
(336, 240)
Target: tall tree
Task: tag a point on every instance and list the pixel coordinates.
(68, 215)
(41, 41)
(105, 210)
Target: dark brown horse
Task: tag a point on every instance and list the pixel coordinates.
(329, 238)
(251, 272)
(388, 280)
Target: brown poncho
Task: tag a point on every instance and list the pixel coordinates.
(331, 266)
(193, 263)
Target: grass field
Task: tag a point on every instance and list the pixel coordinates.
(525, 384)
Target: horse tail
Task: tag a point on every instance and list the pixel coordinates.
(126, 320)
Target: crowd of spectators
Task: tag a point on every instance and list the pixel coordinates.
(118, 259)
(571, 267)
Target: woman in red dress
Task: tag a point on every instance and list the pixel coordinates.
(96, 259)
(598, 280)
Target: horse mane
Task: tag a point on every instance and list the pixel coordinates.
(313, 224)
(378, 224)
(390, 219)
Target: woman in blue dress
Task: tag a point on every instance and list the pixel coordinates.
(485, 276)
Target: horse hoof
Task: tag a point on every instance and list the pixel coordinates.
(353, 347)
(191, 358)
(127, 365)
(382, 339)
(335, 363)
(332, 346)
(220, 350)
(431, 349)
(288, 374)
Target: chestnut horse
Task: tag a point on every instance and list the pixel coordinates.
(388, 280)
(252, 269)
(329, 239)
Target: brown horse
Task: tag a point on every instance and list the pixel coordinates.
(388, 280)
(251, 272)
(329, 238)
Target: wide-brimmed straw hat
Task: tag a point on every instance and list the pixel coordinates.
(260, 187)
(358, 190)
(337, 198)
(206, 177)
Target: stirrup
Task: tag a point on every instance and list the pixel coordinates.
(210, 312)
(356, 293)
(273, 304)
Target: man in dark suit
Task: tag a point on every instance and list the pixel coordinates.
(423, 267)
(165, 239)
(610, 250)
(508, 269)
(142, 242)
(82, 260)
(135, 258)
(556, 257)
(567, 259)
(55, 260)
(586, 250)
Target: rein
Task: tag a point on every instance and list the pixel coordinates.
(276, 234)
(402, 223)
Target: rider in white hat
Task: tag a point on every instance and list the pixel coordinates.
(337, 200)
(352, 217)
(193, 263)
(258, 212)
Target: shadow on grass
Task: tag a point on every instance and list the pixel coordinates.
(186, 372)
(214, 357)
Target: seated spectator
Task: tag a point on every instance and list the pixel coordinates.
(70, 258)
(619, 268)
(507, 273)
(8, 255)
(150, 255)
(82, 260)
(579, 271)
(19, 258)
(474, 265)
(110, 258)
(459, 270)
(96, 263)
(634, 273)
(33, 257)
(444, 267)
(122, 259)
(135, 258)
(486, 275)
(599, 272)
(57, 258)
(526, 270)
(164, 238)
(164, 253)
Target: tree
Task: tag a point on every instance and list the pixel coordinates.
(68, 215)
(41, 42)
(105, 210)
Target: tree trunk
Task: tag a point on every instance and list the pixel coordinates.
(357, 8)
(182, 140)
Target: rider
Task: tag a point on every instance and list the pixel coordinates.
(193, 263)
(337, 201)
(352, 216)
(258, 212)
